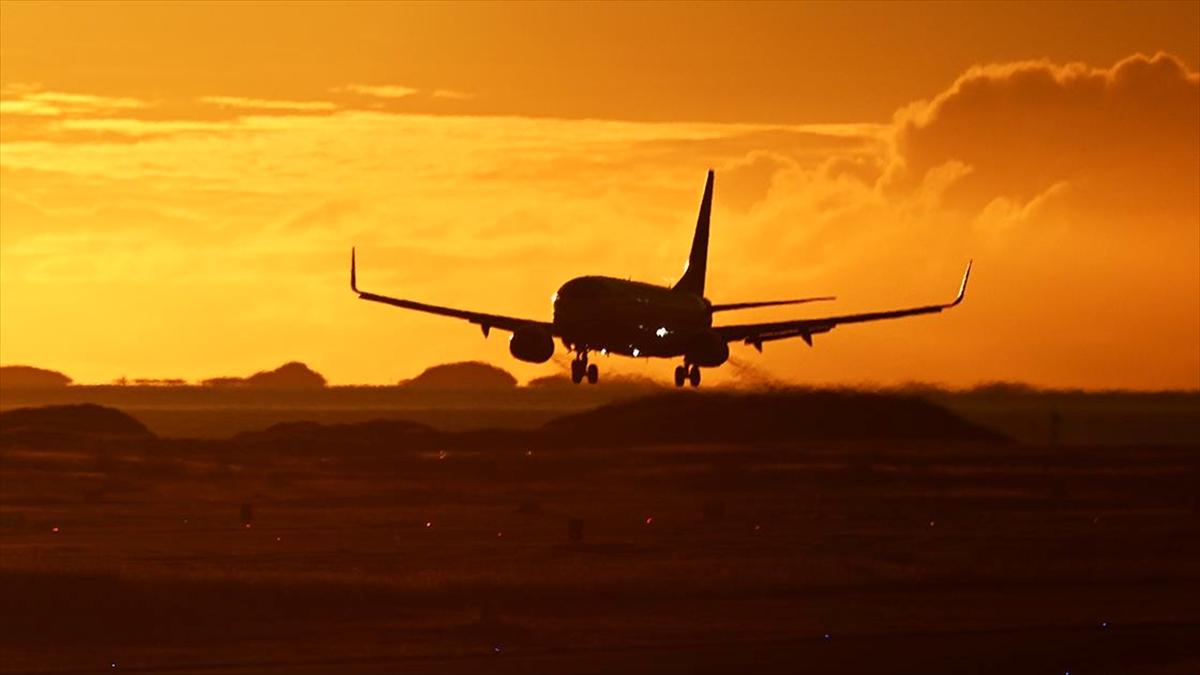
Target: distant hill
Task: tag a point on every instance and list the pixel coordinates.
(291, 375)
(693, 417)
(28, 377)
(676, 417)
(86, 419)
(462, 375)
(662, 419)
(374, 437)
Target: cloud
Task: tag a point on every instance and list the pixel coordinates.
(85, 101)
(1129, 130)
(389, 91)
(451, 94)
(31, 101)
(24, 107)
(268, 104)
(325, 215)
(395, 92)
(747, 181)
(142, 128)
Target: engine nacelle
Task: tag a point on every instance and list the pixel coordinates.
(531, 343)
(708, 350)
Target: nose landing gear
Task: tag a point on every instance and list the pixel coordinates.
(689, 373)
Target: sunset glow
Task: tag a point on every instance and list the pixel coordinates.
(181, 202)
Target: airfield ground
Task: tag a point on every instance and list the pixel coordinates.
(829, 557)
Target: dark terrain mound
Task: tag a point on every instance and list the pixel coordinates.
(69, 425)
(376, 435)
(682, 417)
(291, 375)
(29, 377)
(84, 418)
(463, 375)
(687, 417)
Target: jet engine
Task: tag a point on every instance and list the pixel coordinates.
(532, 344)
(708, 350)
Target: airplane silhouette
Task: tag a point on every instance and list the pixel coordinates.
(631, 318)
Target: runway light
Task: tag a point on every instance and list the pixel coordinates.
(247, 526)
(827, 637)
(931, 523)
(499, 534)
(441, 454)
(757, 527)
(54, 530)
(1104, 624)
(636, 351)
(497, 649)
(429, 523)
(649, 520)
(278, 539)
(662, 332)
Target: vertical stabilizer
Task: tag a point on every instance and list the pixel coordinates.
(697, 264)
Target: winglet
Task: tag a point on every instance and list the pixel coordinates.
(353, 279)
(962, 288)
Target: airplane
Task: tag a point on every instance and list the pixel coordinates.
(641, 320)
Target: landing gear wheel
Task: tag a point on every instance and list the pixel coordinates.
(680, 375)
(593, 374)
(694, 376)
(577, 371)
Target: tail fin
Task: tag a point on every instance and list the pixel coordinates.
(692, 280)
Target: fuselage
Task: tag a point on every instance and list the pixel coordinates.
(630, 318)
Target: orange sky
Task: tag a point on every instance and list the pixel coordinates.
(180, 184)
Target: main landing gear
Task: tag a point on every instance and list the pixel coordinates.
(690, 373)
(580, 368)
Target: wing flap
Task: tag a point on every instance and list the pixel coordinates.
(769, 303)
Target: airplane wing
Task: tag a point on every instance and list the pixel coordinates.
(768, 303)
(756, 334)
(484, 321)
